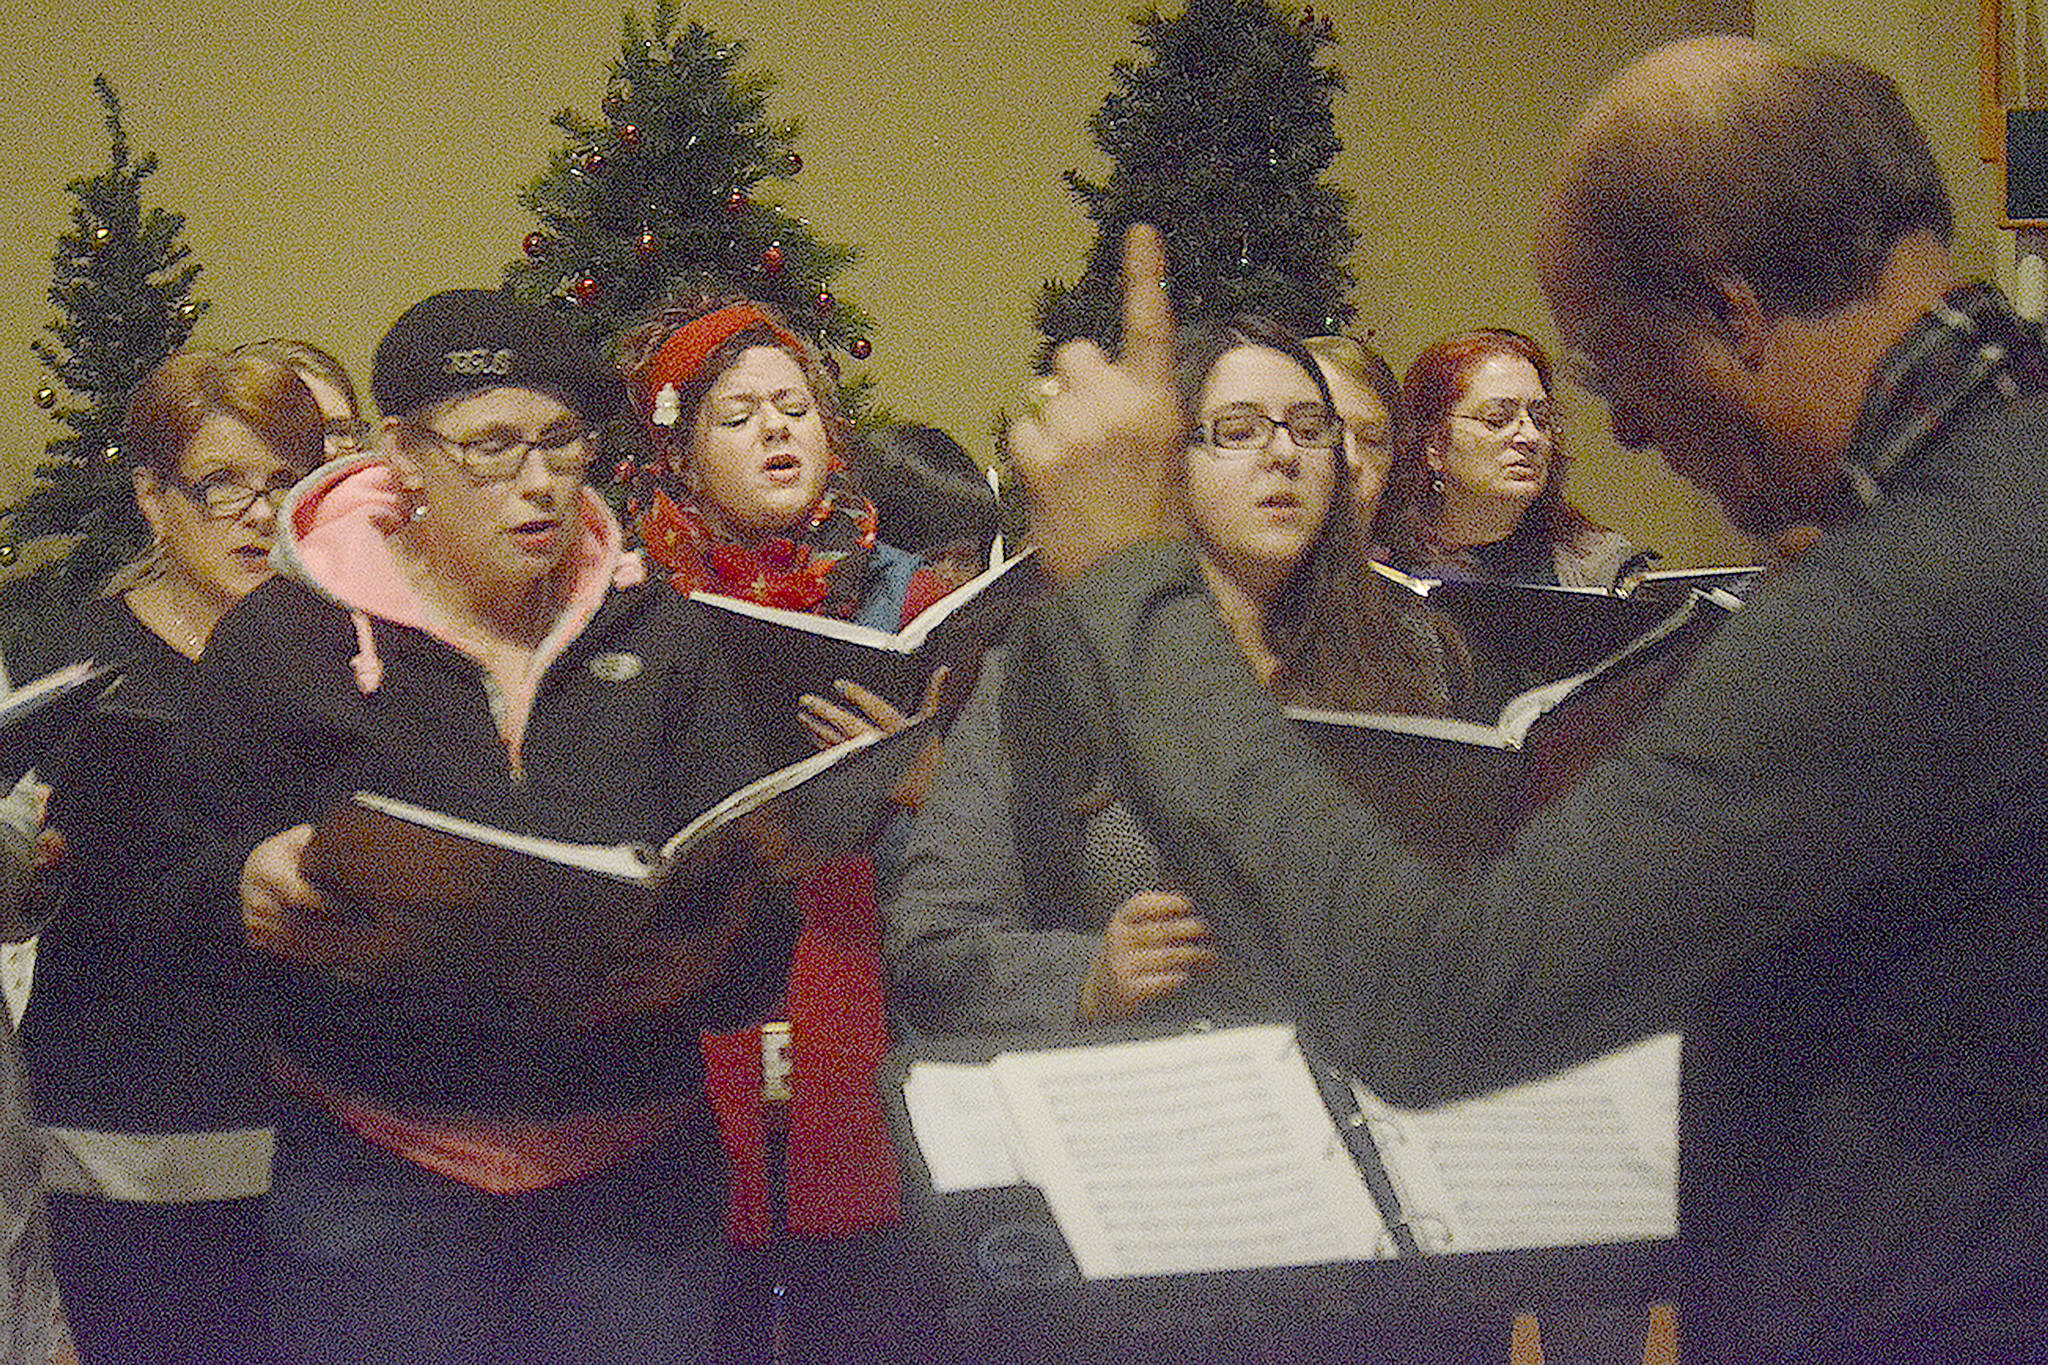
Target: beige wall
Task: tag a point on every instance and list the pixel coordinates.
(338, 161)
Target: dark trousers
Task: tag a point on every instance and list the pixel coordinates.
(161, 1284)
(379, 1259)
(874, 1298)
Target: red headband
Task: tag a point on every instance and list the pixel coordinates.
(683, 354)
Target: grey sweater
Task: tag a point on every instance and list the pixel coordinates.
(1825, 859)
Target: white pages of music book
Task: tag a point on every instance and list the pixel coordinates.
(1199, 1152)
(960, 1125)
(1585, 1157)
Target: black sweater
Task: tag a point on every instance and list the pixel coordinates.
(633, 730)
(143, 1017)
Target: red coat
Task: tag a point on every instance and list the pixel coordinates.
(841, 1176)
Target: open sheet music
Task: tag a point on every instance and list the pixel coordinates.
(1560, 626)
(1587, 1156)
(1458, 789)
(1205, 1151)
(486, 895)
(1215, 1151)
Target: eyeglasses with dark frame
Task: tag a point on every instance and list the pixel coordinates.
(497, 455)
(1499, 414)
(1246, 431)
(222, 496)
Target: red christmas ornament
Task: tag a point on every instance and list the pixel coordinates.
(586, 289)
(792, 163)
(824, 301)
(648, 246)
(737, 202)
(593, 162)
(536, 245)
(771, 260)
(629, 135)
(860, 348)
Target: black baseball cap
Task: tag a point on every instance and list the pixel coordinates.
(466, 340)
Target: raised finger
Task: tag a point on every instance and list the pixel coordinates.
(1148, 313)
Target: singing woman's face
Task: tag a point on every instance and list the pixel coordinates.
(760, 459)
(1500, 435)
(1258, 512)
(219, 548)
(506, 528)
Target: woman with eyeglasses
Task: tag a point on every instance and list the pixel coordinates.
(1033, 898)
(499, 1152)
(1484, 456)
(146, 1062)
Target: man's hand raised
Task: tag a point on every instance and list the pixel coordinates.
(1100, 458)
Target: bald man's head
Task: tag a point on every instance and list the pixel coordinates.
(1717, 203)
(1724, 157)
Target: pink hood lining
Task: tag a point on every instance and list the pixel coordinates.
(334, 540)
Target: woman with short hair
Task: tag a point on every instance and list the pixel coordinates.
(143, 1046)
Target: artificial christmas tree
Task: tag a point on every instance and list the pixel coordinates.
(122, 288)
(662, 201)
(1220, 141)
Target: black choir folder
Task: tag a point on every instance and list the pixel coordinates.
(776, 655)
(474, 898)
(1561, 676)
(35, 716)
(1527, 636)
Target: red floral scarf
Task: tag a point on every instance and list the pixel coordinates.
(818, 571)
